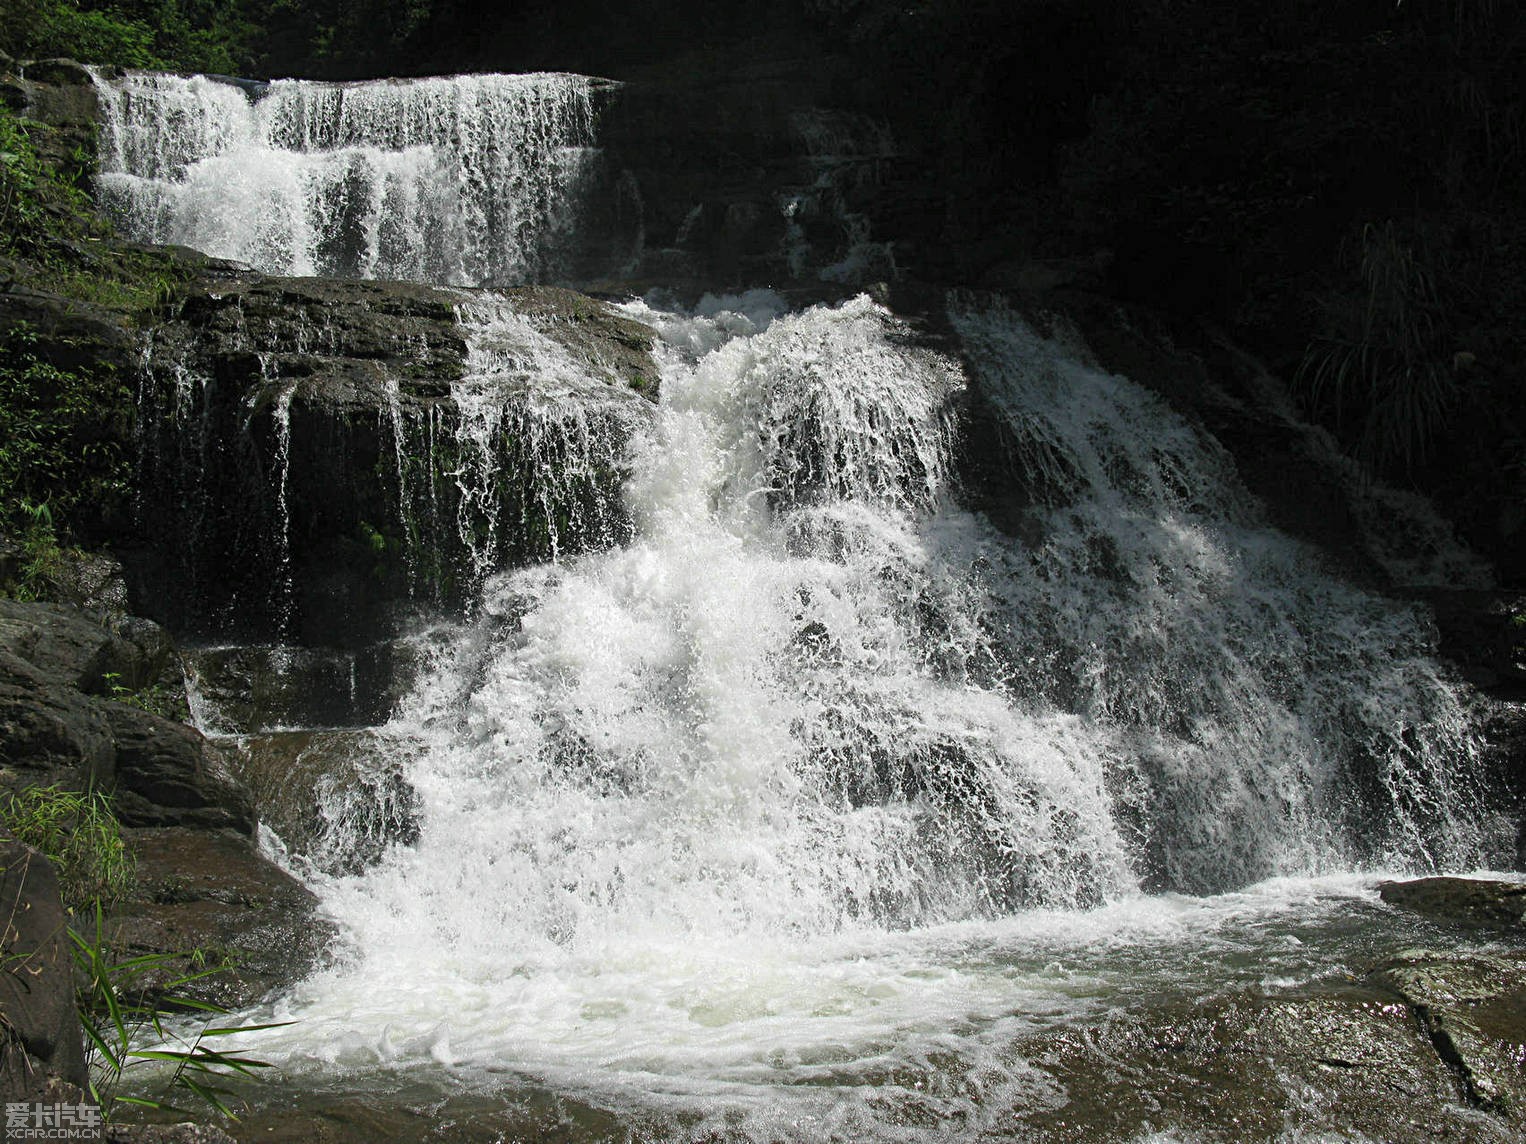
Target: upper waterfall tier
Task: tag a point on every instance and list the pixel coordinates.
(466, 180)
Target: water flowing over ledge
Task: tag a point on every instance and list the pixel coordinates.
(466, 180)
(766, 788)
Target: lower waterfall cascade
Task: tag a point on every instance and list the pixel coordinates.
(795, 812)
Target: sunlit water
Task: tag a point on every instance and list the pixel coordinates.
(468, 180)
(801, 811)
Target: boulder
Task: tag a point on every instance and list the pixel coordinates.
(70, 648)
(1469, 901)
(169, 774)
(50, 732)
(40, 1033)
(73, 711)
(213, 892)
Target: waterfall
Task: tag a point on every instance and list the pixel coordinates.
(798, 748)
(537, 438)
(754, 803)
(468, 180)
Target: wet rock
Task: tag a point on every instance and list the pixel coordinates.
(1245, 1068)
(61, 678)
(167, 1134)
(336, 798)
(71, 648)
(465, 1117)
(302, 440)
(50, 732)
(40, 1032)
(1471, 901)
(1473, 1007)
(254, 688)
(169, 774)
(614, 345)
(212, 891)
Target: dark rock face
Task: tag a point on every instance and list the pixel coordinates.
(40, 1033)
(57, 665)
(61, 675)
(303, 446)
(50, 733)
(169, 774)
(74, 650)
(727, 169)
(202, 884)
(1469, 901)
(261, 687)
(61, 94)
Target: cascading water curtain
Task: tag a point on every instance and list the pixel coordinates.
(467, 180)
(783, 818)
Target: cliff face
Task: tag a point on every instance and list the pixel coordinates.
(313, 443)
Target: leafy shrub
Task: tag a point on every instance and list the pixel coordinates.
(62, 436)
(192, 35)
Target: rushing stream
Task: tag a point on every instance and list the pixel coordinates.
(798, 813)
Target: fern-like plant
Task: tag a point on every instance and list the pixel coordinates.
(1381, 372)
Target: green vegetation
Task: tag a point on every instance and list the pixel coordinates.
(50, 236)
(80, 835)
(230, 37)
(62, 437)
(66, 412)
(134, 1012)
(137, 1012)
(157, 699)
(194, 35)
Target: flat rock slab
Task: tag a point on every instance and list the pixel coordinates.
(1246, 1068)
(1473, 1008)
(1470, 901)
(212, 891)
(167, 1134)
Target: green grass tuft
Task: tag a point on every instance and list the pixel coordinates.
(80, 835)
